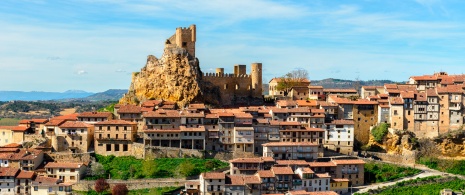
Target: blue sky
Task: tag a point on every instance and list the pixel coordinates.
(94, 45)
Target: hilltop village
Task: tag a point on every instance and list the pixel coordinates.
(276, 149)
(304, 142)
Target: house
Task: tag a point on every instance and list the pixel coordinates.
(339, 136)
(249, 166)
(74, 137)
(94, 117)
(115, 137)
(27, 159)
(352, 169)
(212, 183)
(7, 176)
(49, 185)
(65, 171)
(291, 150)
(24, 182)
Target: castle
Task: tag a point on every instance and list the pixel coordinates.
(176, 76)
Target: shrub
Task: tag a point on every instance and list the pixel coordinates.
(101, 185)
(120, 189)
(380, 131)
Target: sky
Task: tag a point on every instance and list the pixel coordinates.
(95, 45)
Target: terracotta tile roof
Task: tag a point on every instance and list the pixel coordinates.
(431, 93)
(252, 179)
(384, 106)
(192, 129)
(64, 165)
(25, 175)
(95, 114)
(213, 175)
(315, 87)
(131, 109)
(26, 154)
(243, 115)
(37, 120)
(282, 170)
(162, 131)
(6, 156)
(314, 129)
(152, 103)
(279, 110)
(286, 103)
(161, 113)
(424, 78)
(407, 94)
(187, 114)
(211, 115)
(327, 104)
(348, 162)
(12, 145)
(322, 164)
(7, 127)
(407, 87)
(194, 183)
(225, 114)
(307, 170)
(421, 97)
(318, 110)
(41, 180)
(168, 107)
(115, 122)
(20, 128)
(75, 124)
(364, 102)
(234, 180)
(146, 109)
(284, 123)
(9, 150)
(299, 110)
(291, 162)
(265, 173)
(396, 100)
(392, 91)
(55, 122)
(339, 100)
(390, 86)
(8, 172)
(450, 89)
(341, 122)
(372, 87)
(339, 180)
(289, 144)
(302, 103)
(197, 106)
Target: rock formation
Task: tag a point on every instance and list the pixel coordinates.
(177, 77)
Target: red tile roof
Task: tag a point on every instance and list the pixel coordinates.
(348, 161)
(213, 175)
(291, 162)
(25, 175)
(396, 101)
(75, 124)
(251, 179)
(269, 144)
(8, 172)
(115, 122)
(252, 160)
(235, 180)
(71, 117)
(282, 170)
(197, 106)
(265, 173)
(161, 113)
(131, 109)
(286, 103)
(95, 114)
(192, 129)
(64, 165)
(152, 103)
(46, 181)
(20, 128)
(321, 164)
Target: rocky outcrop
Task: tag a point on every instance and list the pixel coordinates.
(452, 144)
(395, 143)
(176, 76)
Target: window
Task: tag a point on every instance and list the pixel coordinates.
(116, 147)
(73, 170)
(108, 147)
(125, 147)
(50, 189)
(36, 188)
(60, 188)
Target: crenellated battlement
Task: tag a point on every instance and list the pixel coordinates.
(221, 75)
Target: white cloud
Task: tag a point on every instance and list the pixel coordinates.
(81, 72)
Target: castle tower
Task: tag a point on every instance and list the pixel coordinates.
(256, 74)
(240, 69)
(219, 71)
(185, 38)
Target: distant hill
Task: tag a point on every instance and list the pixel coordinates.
(344, 84)
(111, 94)
(41, 95)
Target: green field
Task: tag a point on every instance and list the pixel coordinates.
(376, 172)
(445, 165)
(421, 186)
(9, 122)
(128, 167)
(151, 191)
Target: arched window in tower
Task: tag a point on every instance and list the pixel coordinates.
(225, 86)
(237, 87)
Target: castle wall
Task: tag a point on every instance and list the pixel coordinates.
(256, 74)
(230, 85)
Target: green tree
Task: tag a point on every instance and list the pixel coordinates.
(149, 168)
(292, 79)
(186, 168)
(380, 131)
(97, 169)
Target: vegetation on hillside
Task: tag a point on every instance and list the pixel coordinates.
(9, 122)
(151, 191)
(128, 167)
(380, 131)
(380, 172)
(420, 186)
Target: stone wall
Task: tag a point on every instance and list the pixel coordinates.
(406, 158)
(84, 185)
(69, 157)
(138, 150)
(167, 152)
